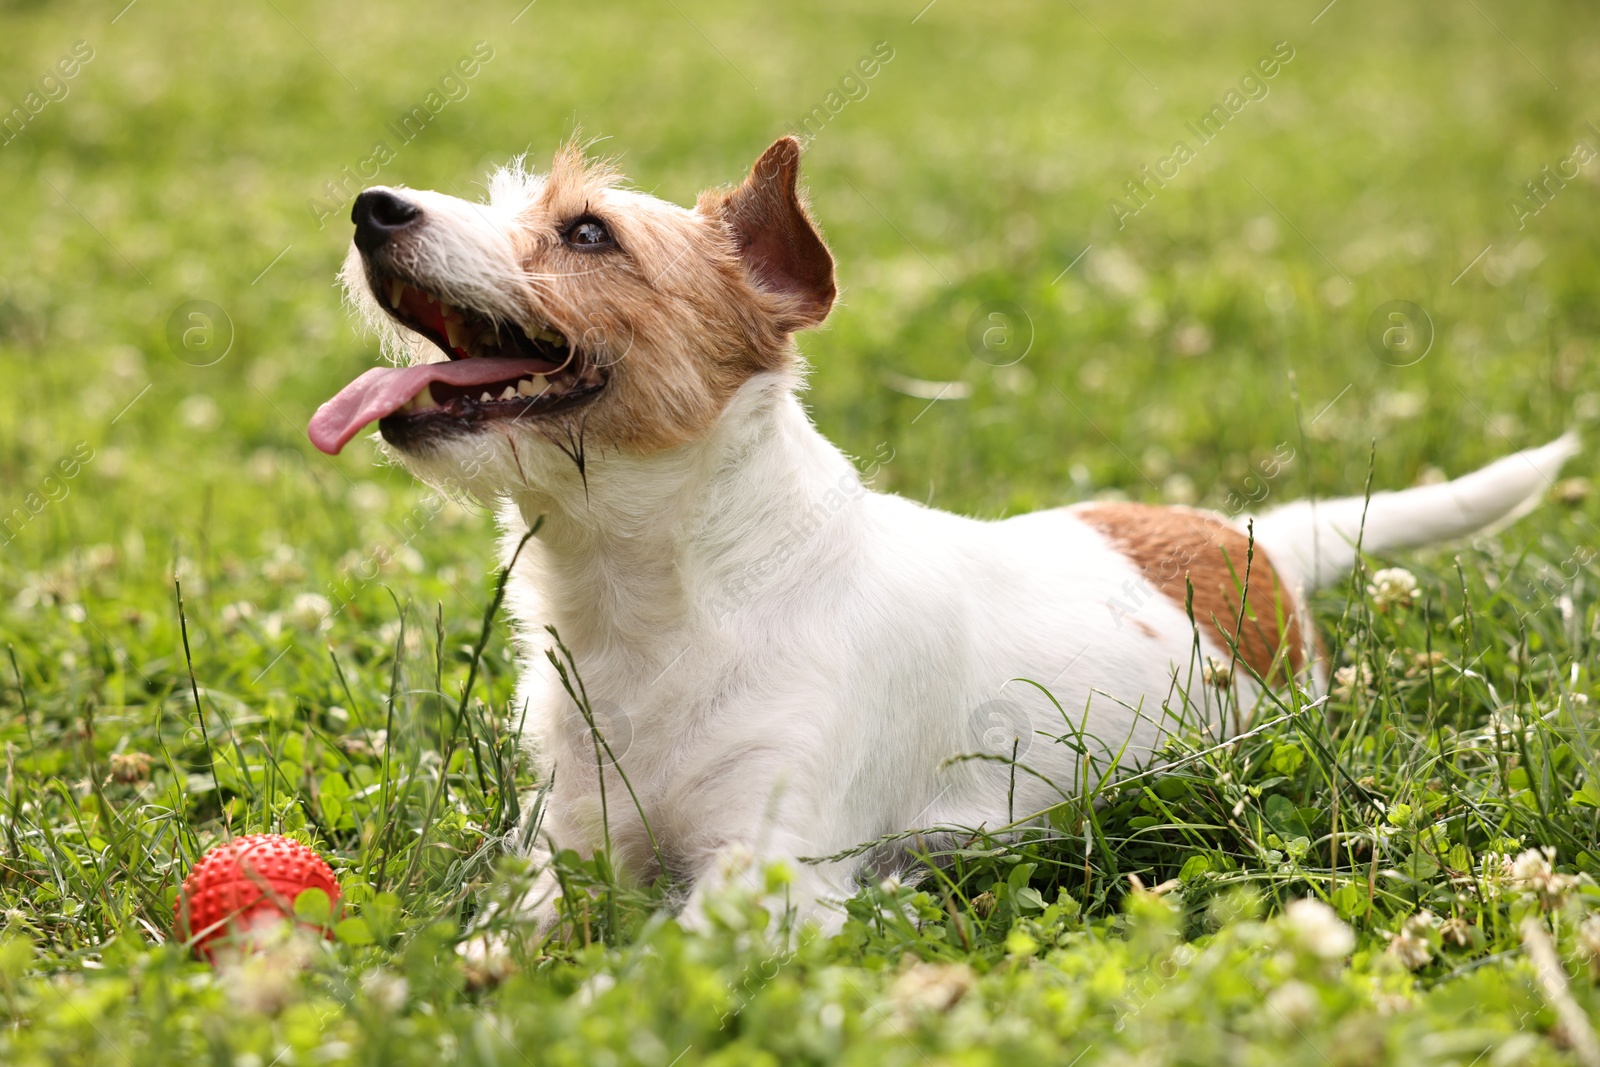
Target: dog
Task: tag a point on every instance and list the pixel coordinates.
(773, 663)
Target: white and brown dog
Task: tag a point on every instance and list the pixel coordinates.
(785, 663)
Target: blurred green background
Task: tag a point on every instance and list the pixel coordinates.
(199, 162)
(187, 156)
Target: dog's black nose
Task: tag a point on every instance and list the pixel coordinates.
(379, 214)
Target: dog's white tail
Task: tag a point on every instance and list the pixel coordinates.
(1314, 541)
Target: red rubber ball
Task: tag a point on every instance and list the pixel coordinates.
(241, 883)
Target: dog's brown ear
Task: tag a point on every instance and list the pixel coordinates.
(776, 238)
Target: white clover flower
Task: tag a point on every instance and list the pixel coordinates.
(1532, 872)
(1317, 927)
(263, 464)
(1402, 405)
(310, 611)
(1504, 722)
(1532, 867)
(1495, 873)
(282, 568)
(1572, 490)
(1351, 679)
(1410, 950)
(260, 976)
(1425, 663)
(189, 573)
(931, 987)
(1295, 1002)
(370, 745)
(1413, 946)
(1217, 673)
(368, 496)
(594, 987)
(235, 615)
(200, 412)
(1456, 931)
(1393, 587)
(29, 595)
(386, 990)
(1588, 942)
(130, 767)
(1192, 338)
(100, 557)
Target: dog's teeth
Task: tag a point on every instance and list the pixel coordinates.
(458, 333)
(423, 401)
(485, 398)
(508, 393)
(527, 388)
(397, 290)
(544, 333)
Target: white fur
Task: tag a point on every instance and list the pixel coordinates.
(788, 665)
(1315, 541)
(464, 251)
(793, 661)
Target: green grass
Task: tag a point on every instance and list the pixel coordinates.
(1223, 325)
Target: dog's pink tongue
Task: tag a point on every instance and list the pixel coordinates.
(384, 390)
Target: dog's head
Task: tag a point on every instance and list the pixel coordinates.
(569, 316)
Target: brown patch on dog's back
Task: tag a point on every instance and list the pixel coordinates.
(1169, 545)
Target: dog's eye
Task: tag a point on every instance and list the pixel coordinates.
(589, 234)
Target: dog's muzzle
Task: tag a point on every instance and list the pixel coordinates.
(379, 214)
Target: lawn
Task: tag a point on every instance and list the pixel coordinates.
(1228, 254)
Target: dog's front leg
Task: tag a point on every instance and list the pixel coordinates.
(521, 917)
(533, 906)
(736, 876)
(527, 910)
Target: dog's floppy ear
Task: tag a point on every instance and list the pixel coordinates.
(776, 239)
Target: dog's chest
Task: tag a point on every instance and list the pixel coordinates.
(670, 748)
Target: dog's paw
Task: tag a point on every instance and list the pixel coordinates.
(490, 950)
(738, 884)
(486, 959)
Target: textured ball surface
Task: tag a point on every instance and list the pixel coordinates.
(244, 882)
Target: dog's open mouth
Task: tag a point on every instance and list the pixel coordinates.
(496, 370)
